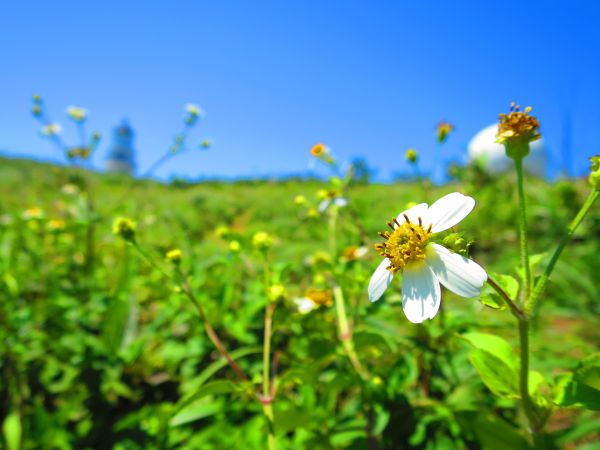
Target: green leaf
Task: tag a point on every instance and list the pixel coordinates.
(581, 388)
(195, 411)
(12, 430)
(496, 434)
(498, 376)
(213, 388)
(494, 345)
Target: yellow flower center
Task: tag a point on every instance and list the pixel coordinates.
(406, 243)
(518, 125)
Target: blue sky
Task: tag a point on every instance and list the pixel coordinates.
(368, 79)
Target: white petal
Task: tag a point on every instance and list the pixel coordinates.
(449, 210)
(304, 305)
(414, 213)
(455, 272)
(324, 205)
(421, 293)
(380, 280)
(340, 202)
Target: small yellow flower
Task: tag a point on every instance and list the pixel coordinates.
(205, 144)
(33, 213)
(299, 200)
(76, 113)
(36, 110)
(262, 240)
(56, 225)
(443, 130)
(313, 299)
(353, 253)
(411, 155)
(318, 150)
(124, 228)
(174, 256)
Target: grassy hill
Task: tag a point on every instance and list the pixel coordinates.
(100, 347)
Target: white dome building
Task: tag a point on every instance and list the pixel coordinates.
(491, 155)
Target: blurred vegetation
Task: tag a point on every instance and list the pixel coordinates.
(100, 350)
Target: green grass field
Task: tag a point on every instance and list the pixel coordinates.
(101, 347)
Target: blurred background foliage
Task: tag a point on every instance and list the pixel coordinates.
(100, 350)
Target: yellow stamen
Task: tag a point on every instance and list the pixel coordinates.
(406, 244)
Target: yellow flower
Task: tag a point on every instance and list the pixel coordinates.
(318, 150)
(33, 213)
(313, 299)
(353, 253)
(56, 225)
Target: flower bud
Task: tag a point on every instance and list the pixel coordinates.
(457, 244)
(124, 228)
(234, 247)
(174, 256)
(411, 156)
(595, 172)
(262, 240)
(443, 130)
(277, 292)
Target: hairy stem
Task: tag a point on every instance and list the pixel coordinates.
(523, 229)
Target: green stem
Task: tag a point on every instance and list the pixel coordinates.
(523, 228)
(267, 394)
(542, 283)
(210, 331)
(346, 334)
(332, 210)
(516, 311)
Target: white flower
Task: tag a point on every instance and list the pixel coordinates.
(76, 113)
(425, 265)
(194, 110)
(339, 202)
(51, 129)
(304, 305)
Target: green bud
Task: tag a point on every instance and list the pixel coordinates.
(457, 244)
(124, 228)
(411, 155)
